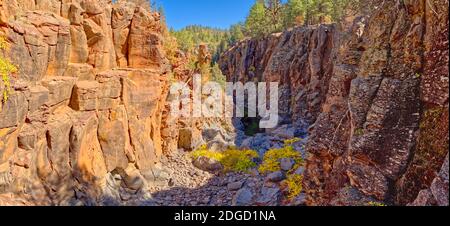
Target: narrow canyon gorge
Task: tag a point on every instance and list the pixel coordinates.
(87, 120)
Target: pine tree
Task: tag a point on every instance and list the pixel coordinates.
(295, 13)
(274, 11)
(309, 12)
(257, 22)
(236, 33)
(323, 9)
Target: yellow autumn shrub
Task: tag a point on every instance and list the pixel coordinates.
(271, 160)
(232, 160)
(6, 68)
(377, 204)
(294, 185)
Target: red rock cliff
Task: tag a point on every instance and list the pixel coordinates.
(377, 97)
(84, 113)
(299, 59)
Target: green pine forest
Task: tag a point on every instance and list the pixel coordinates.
(265, 17)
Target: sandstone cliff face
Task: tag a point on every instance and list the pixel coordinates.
(82, 122)
(373, 94)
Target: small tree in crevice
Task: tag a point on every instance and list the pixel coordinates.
(6, 69)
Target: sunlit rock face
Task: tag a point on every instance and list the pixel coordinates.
(373, 91)
(87, 101)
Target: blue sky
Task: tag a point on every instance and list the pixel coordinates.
(212, 13)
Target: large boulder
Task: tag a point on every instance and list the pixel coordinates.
(14, 110)
(39, 96)
(60, 90)
(269, 196)
(244, 197)
(189, 139)
(207, 164)
(84, 96)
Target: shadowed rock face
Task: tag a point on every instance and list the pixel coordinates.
(375, 120)
(299, 60)
(368, 90)
(86, 102)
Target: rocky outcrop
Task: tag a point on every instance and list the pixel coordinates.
(82, 122)
(366, 135)
(431, 149)
(437, 194)
(299, 60)
(376, 95)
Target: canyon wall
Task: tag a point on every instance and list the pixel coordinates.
(299, 60)
(81, 125)
(376, 95)
(86, 117)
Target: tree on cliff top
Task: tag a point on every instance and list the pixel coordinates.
(274, 11)
(265, 16)
(295, 13)
(269, 16)
(237, 32)
(256, 23)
